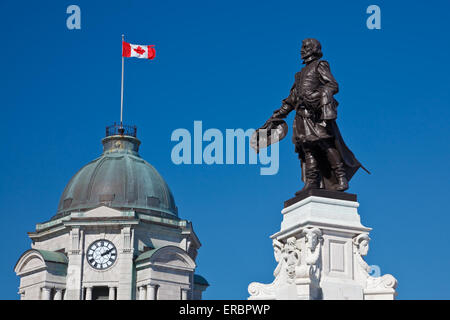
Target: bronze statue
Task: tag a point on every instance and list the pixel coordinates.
(326, 161)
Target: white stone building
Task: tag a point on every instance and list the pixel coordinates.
(116, 235)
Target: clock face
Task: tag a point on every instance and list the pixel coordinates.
(101, 254)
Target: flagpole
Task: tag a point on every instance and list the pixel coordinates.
(121, 91)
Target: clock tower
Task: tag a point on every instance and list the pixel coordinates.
(116, 235)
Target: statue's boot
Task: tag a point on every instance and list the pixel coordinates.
(312, 176)
(337, 166)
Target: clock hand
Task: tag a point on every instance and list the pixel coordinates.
(106, 252)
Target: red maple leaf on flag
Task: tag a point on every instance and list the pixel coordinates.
(139, 50)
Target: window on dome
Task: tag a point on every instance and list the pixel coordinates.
(67, 202)
(153, 202)
(106, 197)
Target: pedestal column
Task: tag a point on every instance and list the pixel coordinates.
(88, 293)
(126, 287)
(46, 293)
(112, 293)
(75, 266)
(142, 293)
(58, 294)
(184, 294)
(151, 291)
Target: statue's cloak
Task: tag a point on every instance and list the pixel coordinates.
(351, 164)
(262, 139)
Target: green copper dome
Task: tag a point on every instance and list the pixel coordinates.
(120, 179)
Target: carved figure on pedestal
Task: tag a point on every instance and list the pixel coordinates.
(259, 290)
(297, 268)
(311, 264)
(288, 257)
(361, 248)
(291, 254)
(277, 248)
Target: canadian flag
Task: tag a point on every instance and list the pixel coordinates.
(139, 51)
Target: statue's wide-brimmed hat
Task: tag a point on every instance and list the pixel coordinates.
(263, 137)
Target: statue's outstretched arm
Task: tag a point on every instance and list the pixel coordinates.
(287, 106)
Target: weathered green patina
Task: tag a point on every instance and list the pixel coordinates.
(49, 256)
(146, 255)
(198, 279)
(120, 179)
(53, 256)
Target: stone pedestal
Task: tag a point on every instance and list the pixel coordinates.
(320, 250)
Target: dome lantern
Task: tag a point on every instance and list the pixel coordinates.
(120, 138)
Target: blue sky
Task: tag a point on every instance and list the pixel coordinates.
(229, 64)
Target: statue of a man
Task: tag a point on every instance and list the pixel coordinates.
(327, 163)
